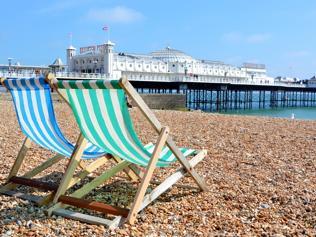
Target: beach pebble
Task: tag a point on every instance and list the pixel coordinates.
(260, 175)
(8, 233)
(29, 224)
(264, 205)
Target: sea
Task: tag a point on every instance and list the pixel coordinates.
(302, 113)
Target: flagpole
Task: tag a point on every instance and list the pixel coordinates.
(70, 38)
(107, 29)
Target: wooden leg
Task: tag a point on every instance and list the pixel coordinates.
(19, 160)
(88, 169)
(7, 189)
(34, 172)
(91, 185)
(45, 165)
(197, 178)
(82, 165)
(171, 180)
(72, 165)
(129, 171)
(148, 174)
(45, 200)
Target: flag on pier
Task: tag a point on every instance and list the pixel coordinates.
(107, 30)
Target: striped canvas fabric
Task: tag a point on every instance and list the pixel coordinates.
(34, 109)
(102, 114)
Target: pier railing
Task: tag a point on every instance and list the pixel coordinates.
(161, 77)
(173, 77)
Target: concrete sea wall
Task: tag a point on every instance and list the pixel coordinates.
(164, 101)
(154, 101)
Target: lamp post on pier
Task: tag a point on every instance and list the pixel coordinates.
(9, 64)
(95, 63)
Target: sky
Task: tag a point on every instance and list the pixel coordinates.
(280, 34)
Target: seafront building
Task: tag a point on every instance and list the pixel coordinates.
(167, 63)
(20, 70)
(17, 68)
(312, 82)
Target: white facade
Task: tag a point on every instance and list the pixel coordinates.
(256, 73)
(167, 62)
(312, 82)
(286, 79)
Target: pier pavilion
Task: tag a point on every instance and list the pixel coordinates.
(167, 62)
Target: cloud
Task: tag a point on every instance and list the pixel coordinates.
(118, 14)
(238, 37)
(297, 53)
(257, 38)
(233, 37)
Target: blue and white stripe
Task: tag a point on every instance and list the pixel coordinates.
(34, 109)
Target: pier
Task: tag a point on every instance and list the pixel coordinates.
(212, 94)
(215, 94)
(224, 96)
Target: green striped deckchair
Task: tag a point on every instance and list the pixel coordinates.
(101, 112)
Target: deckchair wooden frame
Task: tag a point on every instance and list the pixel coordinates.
(13, 180)
(26, 180)
(141, 200)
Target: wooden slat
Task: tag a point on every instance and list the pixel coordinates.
(82, 217)
(45, 165)
(148, 175)
(171, 180)
(89, 169)
(34, 183)
(18, 161)
(99, 180)
(183, 186)
(176, 151)
(72, 165)
(117, 221)
(129, 172)
(92, 205)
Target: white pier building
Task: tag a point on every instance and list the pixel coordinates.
(162, 65)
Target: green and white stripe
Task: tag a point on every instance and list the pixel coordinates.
(102, 115)
(88, 84)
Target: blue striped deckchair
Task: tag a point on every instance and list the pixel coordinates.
(34, 110)
(101, 112)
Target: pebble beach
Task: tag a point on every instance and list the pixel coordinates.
(261, 175)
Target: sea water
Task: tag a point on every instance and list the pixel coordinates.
(305, 113)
